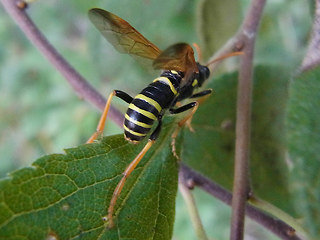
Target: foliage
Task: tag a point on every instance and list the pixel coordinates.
(66, 195)
(303, 140)
(215, 122)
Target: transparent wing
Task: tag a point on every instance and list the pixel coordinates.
(178, 57)
(124, 37)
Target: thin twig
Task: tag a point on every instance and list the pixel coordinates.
(279, 228)
(241, 181)
(192, 208)
(244, 40)
(79, 84)
(278, 213)
(312, 57)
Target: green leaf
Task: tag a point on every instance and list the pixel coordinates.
(66, 195)
(217, 22)
(304, 144)
(210, 150)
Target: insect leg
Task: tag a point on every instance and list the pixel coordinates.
(194, 106)
(128, 171)
(202, 97)
(120, 94)
(202, 93)
(187, 119)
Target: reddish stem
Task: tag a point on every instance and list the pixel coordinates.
(79, 84)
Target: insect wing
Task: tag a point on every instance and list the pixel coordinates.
(124, 37)
(179, 57)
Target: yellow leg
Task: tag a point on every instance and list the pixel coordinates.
(202, 96)
(186, 121)
(181, 123)
(102, 120)
(173, 142)
(120, 185)
(189, 120)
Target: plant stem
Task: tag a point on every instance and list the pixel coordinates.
(192, 209)
(278, 227)
(241, 180)
(79, 84)
(269, 208)
(312, 57)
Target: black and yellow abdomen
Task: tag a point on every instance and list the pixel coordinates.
(149, 104)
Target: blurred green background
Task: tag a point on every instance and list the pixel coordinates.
(41, 114)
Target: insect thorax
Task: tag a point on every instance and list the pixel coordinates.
(195, 81)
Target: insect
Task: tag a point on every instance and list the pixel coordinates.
(180, 76)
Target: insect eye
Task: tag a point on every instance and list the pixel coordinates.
(204, 72)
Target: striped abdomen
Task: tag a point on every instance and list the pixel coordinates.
(146, 107)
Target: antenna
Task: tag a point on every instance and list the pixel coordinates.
(224, 57)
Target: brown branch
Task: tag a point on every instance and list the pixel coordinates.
(79, 84)
(278, 227)
(244, 40)
(241, 180)
(312, 57)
